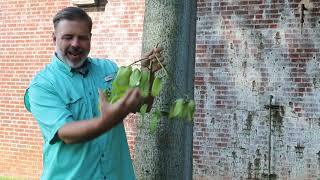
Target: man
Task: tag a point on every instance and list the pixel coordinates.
(80, 141)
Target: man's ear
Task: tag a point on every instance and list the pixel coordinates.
(54, 38)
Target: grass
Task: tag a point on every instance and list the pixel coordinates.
(9, 178)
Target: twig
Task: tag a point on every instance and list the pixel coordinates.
(142, 58)
(138, 61)
(162, 66)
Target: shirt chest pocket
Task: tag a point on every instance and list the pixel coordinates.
(107, 80)
(75, 103)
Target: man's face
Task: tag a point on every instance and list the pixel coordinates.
(72, 40)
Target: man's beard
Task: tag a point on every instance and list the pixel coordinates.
(65, 59)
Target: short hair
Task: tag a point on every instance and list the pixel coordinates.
(72, 14)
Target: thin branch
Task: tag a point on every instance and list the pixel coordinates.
(142, 58)
(138, 61)
(162, 66)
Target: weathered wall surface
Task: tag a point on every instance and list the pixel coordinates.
(26, 47)
(247, 51)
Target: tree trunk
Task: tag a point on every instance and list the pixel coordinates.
(167, 154)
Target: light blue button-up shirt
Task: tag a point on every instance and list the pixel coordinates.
(56, 96)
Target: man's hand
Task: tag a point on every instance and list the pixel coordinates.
(151, 62)
(153, 56)
(112, 114)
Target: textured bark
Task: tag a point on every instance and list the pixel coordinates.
(167, 154)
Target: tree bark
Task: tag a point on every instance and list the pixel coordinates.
(167, 154)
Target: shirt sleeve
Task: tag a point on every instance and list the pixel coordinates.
(48, 109)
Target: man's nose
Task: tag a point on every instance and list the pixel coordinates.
(75, 42)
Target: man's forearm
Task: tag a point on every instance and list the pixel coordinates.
(111, 114)
(84, 130)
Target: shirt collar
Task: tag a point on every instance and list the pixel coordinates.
(83, 70)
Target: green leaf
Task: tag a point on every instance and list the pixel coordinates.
(123, 76)
(135, 78)
(156, 86)
(191, 109)
(154, 121)
(116, 97)
(171, 116)
(144, 83)
(178, 108)
(183, 115)
(143, 111)
(120, 85)
(107, 94)
(117, 89)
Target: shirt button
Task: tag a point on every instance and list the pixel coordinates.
(102, 155)
(104, 177)
(90, 93)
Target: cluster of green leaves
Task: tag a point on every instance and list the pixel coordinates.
(131, 78)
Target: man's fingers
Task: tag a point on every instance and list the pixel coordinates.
(102, 97)
(157, 67)
(154, 55)
(134, 97)
(103, 101)
(148, 53)
(134, 100)
(131, 100)
(126, 96)
(159, 58)
(157, 49)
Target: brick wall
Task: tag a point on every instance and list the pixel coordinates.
(26, 47)
(247, 51)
